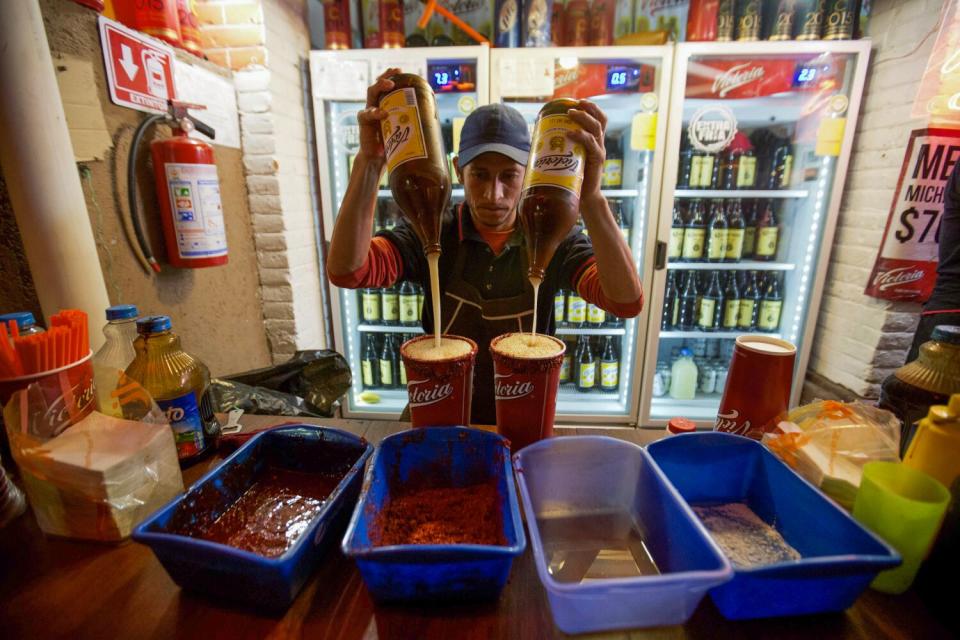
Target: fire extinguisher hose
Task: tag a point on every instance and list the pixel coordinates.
(132, 190)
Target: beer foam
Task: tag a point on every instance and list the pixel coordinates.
(425, 349)
(525, 345)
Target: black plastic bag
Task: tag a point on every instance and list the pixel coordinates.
(309, 384)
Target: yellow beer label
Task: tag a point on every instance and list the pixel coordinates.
(371, 307)
(559, 303)
(676, 243)
(402, 131)
(746, 313)
(693, 243)
(555, 160)
(408, 308)
(707, 307)
(749, 241)
(612, 172)
(787, 170)
(767, 241)
(595, 315)
(576, 309)
(367, 369)
(386, 372)
(565, 369)
(769, 318)
(747, 172)
(734, 244)
(609, 374)
(391, 307)
(403, 375)
(718, 244)
(588, 374)
(696, 163)
(706, 172)
(731, 310)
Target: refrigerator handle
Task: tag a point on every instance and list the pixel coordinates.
(660, 256)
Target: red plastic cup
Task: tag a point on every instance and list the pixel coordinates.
(757, 393)
(67, 393)
(525, 392)
(439, 390)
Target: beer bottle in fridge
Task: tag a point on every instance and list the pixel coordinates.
(370, 301)
(390, 305)
(768, 319)
(550, 201)
(586, 366)
(559, 308)
(687, 316)
(609, 366)
(576, 309)
(576, 23)
(685, 170)
(717, 233)
(731, 303)
(747, 169)
(613, 164)
(566, 366)
(419, 176)
(735, 231)
(595, 316)
(749, 304)
(710, 301)
(387, 373)
(668, 320)
(810, 14)
(749, 19)
(694, 233)
(675, 247)
(781, 20)
(749, 229)
(408, 304)
(768, 234)
(370, 364)
(781, 166)
(726, 21)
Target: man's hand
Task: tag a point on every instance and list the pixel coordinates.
(369, 118)
(594, 123)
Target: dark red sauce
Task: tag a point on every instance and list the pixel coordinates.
(269, 517)
(460, 515)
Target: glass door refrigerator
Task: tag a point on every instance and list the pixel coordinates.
(370, 324)
(631, 85)
(759, 137)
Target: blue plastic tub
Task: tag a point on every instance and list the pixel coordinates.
(611, 485)
(449, 457)
(839, 557)
(230, 573)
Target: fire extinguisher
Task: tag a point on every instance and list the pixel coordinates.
(188, 191)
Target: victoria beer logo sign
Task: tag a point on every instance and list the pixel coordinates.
(906, 266)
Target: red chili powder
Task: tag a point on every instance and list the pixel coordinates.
(449, 515)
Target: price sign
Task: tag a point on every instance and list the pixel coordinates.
(906, 267)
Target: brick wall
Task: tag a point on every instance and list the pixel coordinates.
(263, 43)
(859, 340)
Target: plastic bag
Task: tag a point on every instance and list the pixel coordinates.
(828, 442)
(319, 377)
(227, 395)
(88, 475)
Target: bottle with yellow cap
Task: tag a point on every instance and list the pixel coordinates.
(935, 448)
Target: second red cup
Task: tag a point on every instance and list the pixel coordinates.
(526, 372)
(439, 382)
(757, 393)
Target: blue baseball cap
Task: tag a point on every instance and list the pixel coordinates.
(494, 128)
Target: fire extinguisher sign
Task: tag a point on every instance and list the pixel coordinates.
(139, 68)
(197, 211)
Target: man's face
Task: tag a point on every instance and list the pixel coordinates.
(492, 183)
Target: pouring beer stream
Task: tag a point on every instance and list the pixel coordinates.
(550, 202)
(418, 174)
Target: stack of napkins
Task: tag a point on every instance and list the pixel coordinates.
(100, 477)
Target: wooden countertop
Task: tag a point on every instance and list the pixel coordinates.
(60, 588)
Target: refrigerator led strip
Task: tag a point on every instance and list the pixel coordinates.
(811, 248)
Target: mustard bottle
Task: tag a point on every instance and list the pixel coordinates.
(935, 448)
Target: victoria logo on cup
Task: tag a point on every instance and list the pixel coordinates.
(422, 395)
(729, 422)
(511, 389)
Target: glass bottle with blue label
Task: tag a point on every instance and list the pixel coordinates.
(179, 384)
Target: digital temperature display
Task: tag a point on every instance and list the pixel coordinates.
(804, 76)
(622, 78)
(452, 78)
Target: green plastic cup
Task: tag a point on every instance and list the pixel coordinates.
(905, 507)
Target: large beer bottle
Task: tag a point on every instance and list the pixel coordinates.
(390, 305)
(408, 304)
(417, 165)
(731, 303)
(370, 364)
(735, 232)
(749, 304)
(710, 302)
(768, 234)
(717, 233)
(671, 303)
(385, 364)
(768, 318)
(609, 366)
(687, 315)
(675, 248)
(749, 229)
(550, 202)
(586, 366)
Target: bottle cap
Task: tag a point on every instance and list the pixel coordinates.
(24, 319)
(153, 324)
(685, 353)
(681, 425)
(946, 333)
(122, 312)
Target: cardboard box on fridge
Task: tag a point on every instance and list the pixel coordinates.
(662, 15)
(476, 13)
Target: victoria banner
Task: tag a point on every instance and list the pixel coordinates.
(906, 266)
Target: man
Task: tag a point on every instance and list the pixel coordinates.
(483, 265)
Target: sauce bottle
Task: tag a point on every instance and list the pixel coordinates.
(911, 390)
(179, 383)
